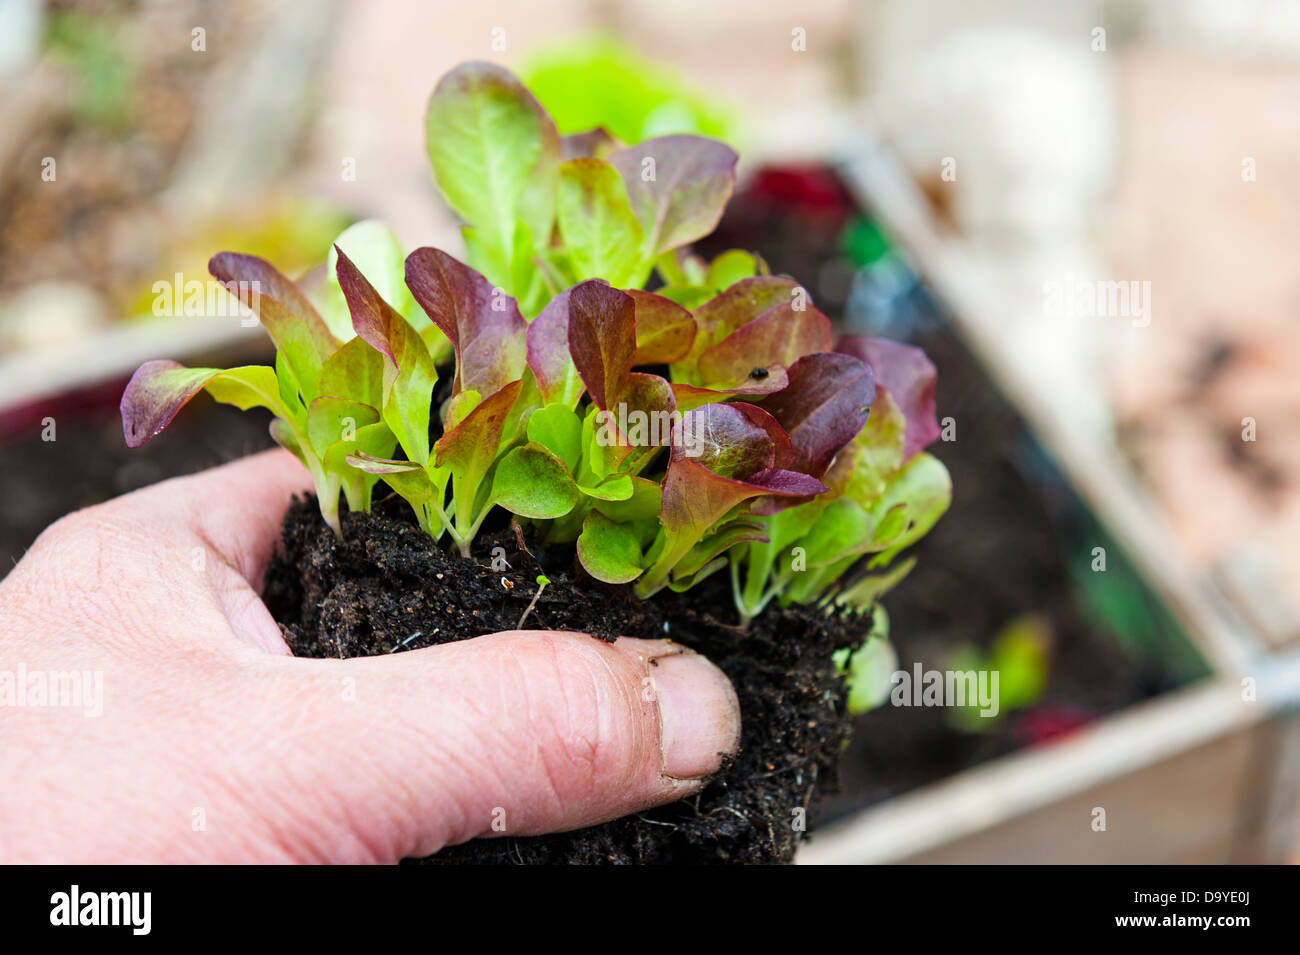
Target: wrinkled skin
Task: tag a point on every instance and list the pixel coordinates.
(215, 745)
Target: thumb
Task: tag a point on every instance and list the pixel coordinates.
(520, 733)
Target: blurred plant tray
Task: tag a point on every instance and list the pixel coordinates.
(61, 445)
(1205, 773)
(30, 376)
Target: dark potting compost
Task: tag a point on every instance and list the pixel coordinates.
(386, 587)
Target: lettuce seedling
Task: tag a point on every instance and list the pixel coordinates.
(884, 493)
(542, 212)
(665, 435)
(324, 392)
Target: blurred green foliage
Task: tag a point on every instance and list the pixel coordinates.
(102, 74)
(1019, 653)
(1120, 602)
(870, 668)
(600, 82)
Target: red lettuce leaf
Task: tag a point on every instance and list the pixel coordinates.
(909, 377)
(548, 353)
(722, 456)
(721, 315)
(737, 441)
(374, 320)
(410, 372)
(299, 332)
(664, 330)
(159, 389)
(782, 449)
(678, 186)
(693, 396)
(154, 395)
(483, 323)
(602, 339)
(824, 407)
(779, 336)
(594, 143)
(695, 498)
(234, 269)
(470, 448)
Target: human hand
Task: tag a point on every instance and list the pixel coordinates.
(213, 744)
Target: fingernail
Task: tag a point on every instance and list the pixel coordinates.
(698, 712)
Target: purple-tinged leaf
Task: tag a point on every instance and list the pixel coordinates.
(823, 408)
(470, 448)
(410, 373)
(374, 320)
(597, 143)
(251, 276)
(909, 377)
(638, 425)
(650, 395)
(725, 438)
(295, 327)
(780, 336)
(548, 354)
(678, 186)
(739, 305)
(159, 389)
(785, 483)
(695, 499)
(483, 323)
(378, 255)
(742, 303)
(154, 395)
(602, 339)
(664, 330)
(649, 398)
(771, 380)
(782, 449)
